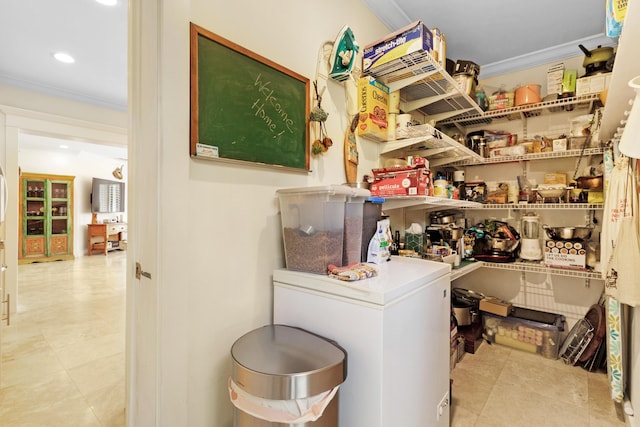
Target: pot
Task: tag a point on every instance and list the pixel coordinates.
(462, 312)
(503, 245)
(590, 182)
(442, 218)
(595, 60)
(568, 233)
(452, 233)
(527, 94)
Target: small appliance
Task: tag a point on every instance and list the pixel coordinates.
(530, 239)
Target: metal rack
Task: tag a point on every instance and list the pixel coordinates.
(426, 87)
(536, 206)
(427, 141)
(420, 202)
(522, 111)
(531, 156)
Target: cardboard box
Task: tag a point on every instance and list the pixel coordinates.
(555, 178)
(373, 105)
(501, 101)
(472, 336)
(565, 254)
(592, 84)
(414, 38)
(401, 182)
(555, 74)
(495, 306)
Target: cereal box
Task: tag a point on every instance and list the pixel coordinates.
(373, 100)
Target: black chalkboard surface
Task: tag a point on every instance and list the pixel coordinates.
(245, 107)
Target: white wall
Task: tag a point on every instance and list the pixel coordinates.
(84, 166)
(221, 233)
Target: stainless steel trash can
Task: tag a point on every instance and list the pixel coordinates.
(280, 363)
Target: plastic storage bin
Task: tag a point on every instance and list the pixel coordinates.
(313, 225)
(286, 376)
(353, 223)
(525, 329)
(371, 214)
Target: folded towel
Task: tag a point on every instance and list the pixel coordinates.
(353, 271)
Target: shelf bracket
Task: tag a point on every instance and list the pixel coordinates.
(587, 283)
(402, 83)
(418, 103)
(444, 116)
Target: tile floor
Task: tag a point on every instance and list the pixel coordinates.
(501, 387)
(63, 354)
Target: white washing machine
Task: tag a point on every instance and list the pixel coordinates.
(395, 328)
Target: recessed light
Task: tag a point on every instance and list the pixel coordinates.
(108, 2)
(64, 57)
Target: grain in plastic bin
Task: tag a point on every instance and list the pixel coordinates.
(353, 222)
(313, 226)
(286, 376)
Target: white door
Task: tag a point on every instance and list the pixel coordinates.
(142, 247)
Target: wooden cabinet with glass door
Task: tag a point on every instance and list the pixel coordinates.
(46, 218)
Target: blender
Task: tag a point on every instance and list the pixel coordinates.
(530, 248)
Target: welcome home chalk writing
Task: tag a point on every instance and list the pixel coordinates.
(269, 110)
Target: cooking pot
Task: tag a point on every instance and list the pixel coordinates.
(503, 245)
(462, 312)
(590, 182)
(527, 94)
(451, 232)
(443, 218)
(595, 60)
(568, 233)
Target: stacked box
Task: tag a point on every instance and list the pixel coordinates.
(525, 329)
(401, 182)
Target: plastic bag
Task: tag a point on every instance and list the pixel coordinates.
(380, 244)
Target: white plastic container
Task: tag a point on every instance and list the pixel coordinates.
(313, 223)
(353, 219)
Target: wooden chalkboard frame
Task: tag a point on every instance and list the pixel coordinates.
(287, 143)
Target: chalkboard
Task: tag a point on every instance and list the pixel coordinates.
(244, 107)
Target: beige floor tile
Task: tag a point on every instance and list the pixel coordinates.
(92, 349)
(98, 374)
(69, 412)
(30, 368)
(63, 355)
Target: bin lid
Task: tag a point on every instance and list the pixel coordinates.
(283, 362)
(335, 189)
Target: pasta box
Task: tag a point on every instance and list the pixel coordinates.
(565, 254)
(406, 181)
(414, 38)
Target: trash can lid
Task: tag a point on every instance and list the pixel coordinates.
(284, 362)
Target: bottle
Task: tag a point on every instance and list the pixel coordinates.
(395, 245)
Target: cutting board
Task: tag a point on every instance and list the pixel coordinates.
(351, 152)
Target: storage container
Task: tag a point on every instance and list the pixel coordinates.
(313, 225)
(371, 214)
(353, 223)
(525, 329)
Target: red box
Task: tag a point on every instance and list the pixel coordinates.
(406, 181)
